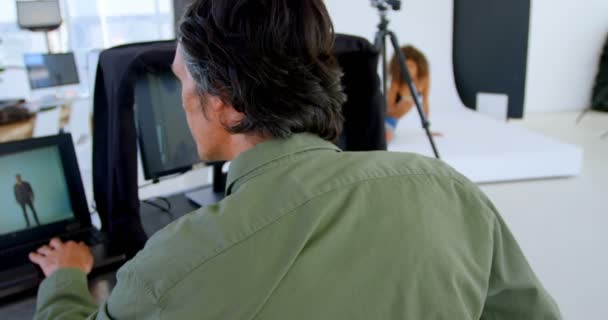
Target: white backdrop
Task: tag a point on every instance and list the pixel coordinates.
(425, 24)
(565, 42)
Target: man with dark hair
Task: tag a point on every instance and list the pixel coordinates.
(24, 194)
(306, 231)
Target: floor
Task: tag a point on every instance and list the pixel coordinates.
(561, 224)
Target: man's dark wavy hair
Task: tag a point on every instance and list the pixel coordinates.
(271, 60)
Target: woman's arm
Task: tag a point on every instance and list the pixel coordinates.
(426, 84)
(400, 108)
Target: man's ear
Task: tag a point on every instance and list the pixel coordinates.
(226, 113)
(214, 104)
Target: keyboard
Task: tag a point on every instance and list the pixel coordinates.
(19, 255)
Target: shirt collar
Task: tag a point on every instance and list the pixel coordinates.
(269, 151)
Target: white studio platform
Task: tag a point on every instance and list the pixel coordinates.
(482, 148)
(486, 150)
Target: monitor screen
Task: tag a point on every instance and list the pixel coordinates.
(51, 70)
(165, 141)
(33, 190)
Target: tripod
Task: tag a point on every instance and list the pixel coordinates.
(380, 43)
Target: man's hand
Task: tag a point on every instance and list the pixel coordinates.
(58, 255)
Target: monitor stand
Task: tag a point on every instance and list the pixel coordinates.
(204, 196)
(214, 193)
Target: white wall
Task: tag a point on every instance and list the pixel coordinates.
(14, 84)
(425, 24)
(566, 39)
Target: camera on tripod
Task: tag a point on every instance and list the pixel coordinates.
(384, 5)
(380, 42)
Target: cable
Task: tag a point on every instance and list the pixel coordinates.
(166, 209)
(166, 201)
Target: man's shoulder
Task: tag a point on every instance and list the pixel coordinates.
(361, 166)
(397, 176)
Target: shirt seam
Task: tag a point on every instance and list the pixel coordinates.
(216, 253)
(254, 172)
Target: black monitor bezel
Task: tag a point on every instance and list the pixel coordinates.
(78, 201)
(29, 68)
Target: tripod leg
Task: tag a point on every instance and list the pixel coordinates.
(408, 79)
(582, 115)
(384, 74)
(380, 44)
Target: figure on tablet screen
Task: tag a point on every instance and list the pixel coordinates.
(400, 100)
(24, 195)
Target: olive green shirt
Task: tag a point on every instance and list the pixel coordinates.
(309, 232)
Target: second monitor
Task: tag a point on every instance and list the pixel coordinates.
(51, 70)
(165, 142)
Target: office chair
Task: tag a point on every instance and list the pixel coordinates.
(115, 182)
(364, 109)
(114, 134)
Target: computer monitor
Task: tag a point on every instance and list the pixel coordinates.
(165, 142)
(51, 70)
(40, 189)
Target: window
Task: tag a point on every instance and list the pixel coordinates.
(108, 23)
(87, 26)
(13, 41)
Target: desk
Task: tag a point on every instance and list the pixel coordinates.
(100, 285)
(24, 129)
